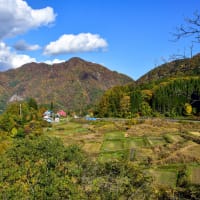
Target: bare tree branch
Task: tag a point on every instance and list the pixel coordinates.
(191, 28)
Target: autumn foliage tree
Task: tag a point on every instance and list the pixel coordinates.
(21, 118)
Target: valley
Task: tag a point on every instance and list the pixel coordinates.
(159, 146)
(99, 100)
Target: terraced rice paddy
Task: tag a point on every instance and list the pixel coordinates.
(151, 144)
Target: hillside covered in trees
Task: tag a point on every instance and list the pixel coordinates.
(176, 68)
(72, 85)
(172, 89)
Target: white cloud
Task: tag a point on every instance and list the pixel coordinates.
(17, 17)
(9, 59)
(83, 42)
(20, 59)
(21, 45)
(50, 62)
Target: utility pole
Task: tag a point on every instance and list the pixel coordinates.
(20, 110)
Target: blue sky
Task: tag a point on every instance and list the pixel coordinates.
(128, 36)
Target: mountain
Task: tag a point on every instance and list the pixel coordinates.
(172, 89)
(176, 68)
(73, 84)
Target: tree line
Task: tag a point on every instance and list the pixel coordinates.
(171, 97)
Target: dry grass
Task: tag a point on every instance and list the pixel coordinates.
(164, 177)
(195, 175)
(92, 148)
(154, 127)
(184, 154)
(157, 127)
(195, 133)
(156, 141)
(176, 138)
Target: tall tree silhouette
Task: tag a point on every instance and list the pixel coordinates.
(190, 28)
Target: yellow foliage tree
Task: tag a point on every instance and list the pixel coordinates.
(187, 109)
(125, 106)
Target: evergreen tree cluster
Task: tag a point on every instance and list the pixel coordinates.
(170, 97)
(176, 98)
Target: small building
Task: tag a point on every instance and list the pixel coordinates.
(62, 113)
(48, 116)
(48, 119)
(48, 113)
(57, 119)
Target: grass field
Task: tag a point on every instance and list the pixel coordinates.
(152, 144)
(156, 141)
(176, 138)
(195, 174)
(116, 135)
(92, 147)
(164, 177)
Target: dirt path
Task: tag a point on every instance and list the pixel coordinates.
(178, 151)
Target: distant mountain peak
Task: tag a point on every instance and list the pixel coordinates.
(73, 84)
(75, 59)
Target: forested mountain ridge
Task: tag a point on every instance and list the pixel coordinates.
(76, 84)
(176, 68)
(73, 84)
(172, 89)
